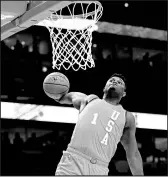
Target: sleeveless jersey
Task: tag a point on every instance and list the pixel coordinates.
(99, 129)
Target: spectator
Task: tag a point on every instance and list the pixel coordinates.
(18, 141)
(5, 139)
(32, 142)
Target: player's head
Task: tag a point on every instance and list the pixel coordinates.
(115, 87)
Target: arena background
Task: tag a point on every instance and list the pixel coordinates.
(131, 39)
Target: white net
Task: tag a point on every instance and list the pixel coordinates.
(71, 35)
(72, 49)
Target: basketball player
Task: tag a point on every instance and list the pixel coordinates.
(101, 125)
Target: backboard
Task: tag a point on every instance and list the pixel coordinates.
(19, 15)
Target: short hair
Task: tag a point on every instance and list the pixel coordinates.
(120, 76)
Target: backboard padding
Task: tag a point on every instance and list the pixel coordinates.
(37, 11)
(10, 10)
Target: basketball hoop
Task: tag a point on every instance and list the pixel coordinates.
(71, 34)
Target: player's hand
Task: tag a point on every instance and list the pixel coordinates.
(59, 97)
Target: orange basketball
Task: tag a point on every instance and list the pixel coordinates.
(56, 85)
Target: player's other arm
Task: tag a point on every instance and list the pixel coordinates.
(129, 143)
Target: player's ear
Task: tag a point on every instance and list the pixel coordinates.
(104, 89)
(124, 94)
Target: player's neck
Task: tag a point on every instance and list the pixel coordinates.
(111, 101)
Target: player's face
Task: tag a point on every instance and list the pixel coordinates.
(116, 84)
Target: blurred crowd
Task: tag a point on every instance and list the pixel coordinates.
(40, 155)
(144, 65)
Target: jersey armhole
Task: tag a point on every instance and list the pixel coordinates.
(91, 98)
(125, 126)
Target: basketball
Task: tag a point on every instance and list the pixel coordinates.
(56, 85)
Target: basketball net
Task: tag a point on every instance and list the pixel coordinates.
(71, 35)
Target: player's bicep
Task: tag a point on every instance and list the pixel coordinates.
(128, 140)
(75, 98)
(78, 100)
(81, 100)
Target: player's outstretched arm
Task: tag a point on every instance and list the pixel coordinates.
(75, 98)
(129, 143)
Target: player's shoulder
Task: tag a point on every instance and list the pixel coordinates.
(129, 115)
(87, 100)
(91, 97)
(130, 119)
